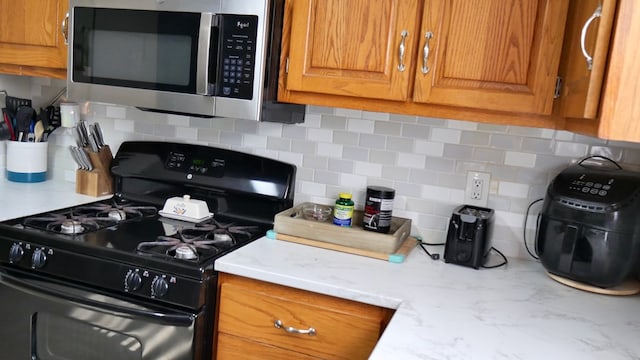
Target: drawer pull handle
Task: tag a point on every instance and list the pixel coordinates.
(310, 331)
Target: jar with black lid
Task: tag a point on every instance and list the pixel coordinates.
(378, 208)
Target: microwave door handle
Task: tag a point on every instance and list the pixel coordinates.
(204, 43)
(42, 290)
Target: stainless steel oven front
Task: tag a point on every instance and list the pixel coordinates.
(49, 320)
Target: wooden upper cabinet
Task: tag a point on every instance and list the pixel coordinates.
(588, 34)
(31, 40)
(352, 47)
(491, 54)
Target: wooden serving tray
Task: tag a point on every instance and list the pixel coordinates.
(290, 225)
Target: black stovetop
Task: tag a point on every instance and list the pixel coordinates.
(140, 235)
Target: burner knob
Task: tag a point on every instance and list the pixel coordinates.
(159, 287)
(15, 253)
(133, 281)
(38, 259)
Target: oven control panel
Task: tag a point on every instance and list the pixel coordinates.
(195, 164)
(112, 276)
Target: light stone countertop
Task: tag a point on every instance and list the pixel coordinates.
(444, 311)
(447, 311)
(22, 199)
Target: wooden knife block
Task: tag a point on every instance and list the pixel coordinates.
(97, 182)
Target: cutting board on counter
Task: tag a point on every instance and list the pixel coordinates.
(290, 225)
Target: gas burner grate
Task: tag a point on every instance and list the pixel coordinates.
(87, 218)
(199, 241)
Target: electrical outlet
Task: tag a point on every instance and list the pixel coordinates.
(477, 190)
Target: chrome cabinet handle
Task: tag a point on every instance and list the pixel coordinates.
(310, 331)
(65, 29)
(583, 35)
(425, 52)
(401, 50)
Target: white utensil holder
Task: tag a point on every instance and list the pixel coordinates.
(26, 161)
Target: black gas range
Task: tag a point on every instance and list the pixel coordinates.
(152, 273)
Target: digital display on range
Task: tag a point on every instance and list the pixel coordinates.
(196, 165)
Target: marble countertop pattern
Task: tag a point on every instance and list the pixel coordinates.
(21, 199)
(443, 311)
(446, 311)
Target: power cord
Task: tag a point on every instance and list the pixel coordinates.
(524, 228)
(503, 263)
(433, 256)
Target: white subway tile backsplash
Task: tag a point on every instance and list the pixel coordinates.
(415, 131)
(341, 166)
(254, 141)
(355, 153)
(424, 159)
(462, 125)
(303, 147)
(514, 190)
(116, 112)
(320, 135)
(294, 132)
(374, 116)
(312, 188)
(334, 122)
(353, 181)
(278, 144)
(186, 133)
(124, 125)
(488, 155)
(367, 169)
(450, 136)
(415, 161)
(387, 128)
(371, 141)
(475, 138)
(330, 150)
(437, 193)
(429, 148)
(360, 125)
(400, 144)
(396, 173)
(316, 162)
(571, 149)
(520, 159)
(383, 157)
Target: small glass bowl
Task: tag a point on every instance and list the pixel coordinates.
(316, 212)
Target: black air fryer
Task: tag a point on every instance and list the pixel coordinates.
(469, 236)
(590, 225)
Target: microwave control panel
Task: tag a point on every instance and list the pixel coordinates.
(237, 49)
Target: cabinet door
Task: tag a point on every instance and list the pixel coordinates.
(31, 37)
(352, 47)
(587, 33)
(491, 54)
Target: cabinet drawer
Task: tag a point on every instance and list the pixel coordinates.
(344, 329)
(230, 347)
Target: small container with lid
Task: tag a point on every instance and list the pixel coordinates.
(343, 211)
(377, 209)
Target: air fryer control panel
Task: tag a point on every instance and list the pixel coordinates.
(594, 187)
(586, 185)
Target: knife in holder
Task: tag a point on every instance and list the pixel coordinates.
(98, 181)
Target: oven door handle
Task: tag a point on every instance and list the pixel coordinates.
(42, 289)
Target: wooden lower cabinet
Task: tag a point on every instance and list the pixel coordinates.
(248, 310)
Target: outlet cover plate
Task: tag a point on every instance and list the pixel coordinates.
(477, 189)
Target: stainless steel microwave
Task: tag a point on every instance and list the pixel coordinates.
(196, 57)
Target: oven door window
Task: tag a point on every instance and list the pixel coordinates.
(133, 48)
(56, 337)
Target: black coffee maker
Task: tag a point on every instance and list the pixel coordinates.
(469, 236)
